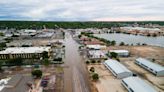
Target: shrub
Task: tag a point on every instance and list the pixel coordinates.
(93, 61)
(37, 73)
(92, 69)
(87, 62)
(95, 76)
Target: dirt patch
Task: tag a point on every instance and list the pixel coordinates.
(107, 82)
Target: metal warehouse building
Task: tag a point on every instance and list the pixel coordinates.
(123, 53)
(118, 70)
(135, 84)
(154, 68)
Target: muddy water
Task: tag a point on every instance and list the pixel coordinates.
(75, 73)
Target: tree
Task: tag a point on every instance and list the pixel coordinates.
(113, 42)
(15, 62)
(113, 55)
(18, 61)
(93, 61)
(36, 73)
(92, 69)
(45, 54)
(87, 62)
(122, 44)
(46, 62)
(0, 66)
(95, 76)
(79, 36)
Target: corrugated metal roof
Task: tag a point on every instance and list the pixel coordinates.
(120, 51)
(116, 66)
(150, 64)
(138, 85)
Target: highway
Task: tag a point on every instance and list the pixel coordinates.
(75, 73)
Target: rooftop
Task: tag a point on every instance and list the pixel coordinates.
(116, 66)
(14, 50)
(150, 64)
(119, 51)
(138, 85)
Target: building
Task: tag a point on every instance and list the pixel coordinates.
(118, 70)
(18, 83)
(96, 47)
(23, 52)
(96, 54)
(135, 84)
(154, 68)
(123, 53)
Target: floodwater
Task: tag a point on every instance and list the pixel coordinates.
(75, 73)
(133, 39)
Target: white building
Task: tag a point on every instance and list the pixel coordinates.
(23, 52)
(96, 54)
(118, 70)
(123, 53)
(154, 68)
(96, 47)
(135, 84)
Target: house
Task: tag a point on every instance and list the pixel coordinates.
(154, 68)
(18, 83)
(23, 52)
(123, 53)
(136, 84)
(118, 70)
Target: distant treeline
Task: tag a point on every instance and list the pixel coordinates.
(72, 25)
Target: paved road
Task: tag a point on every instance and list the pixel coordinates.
(75, 73)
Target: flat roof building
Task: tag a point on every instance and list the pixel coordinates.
(23, 52)
(96, 47)
(123, 53)
(136, 84)
(154, 68)
(118, 70)
(96, 54)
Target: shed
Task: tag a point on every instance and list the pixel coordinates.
(123, 53)
(154, 68)
(136, 84)
(118, 70)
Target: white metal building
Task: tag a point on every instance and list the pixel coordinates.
(118, 70)
(154, 68)
(123, 53)
(96, 54)
(96, 47)
(136, 84)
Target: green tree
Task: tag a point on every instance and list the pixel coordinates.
(92, 69)
(36, 73)
(122, 44)
(93, 61)
(87, 62)
(45, 54)
(46, 62)
(1, 34)
(0, 66)
(113, 55)
(79, 36)
(95, 76)
(113, 42)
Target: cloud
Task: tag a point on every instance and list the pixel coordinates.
(82, 10)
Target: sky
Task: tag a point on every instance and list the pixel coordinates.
(82, 10)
